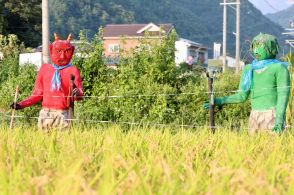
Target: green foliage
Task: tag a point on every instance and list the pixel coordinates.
(25, 79)
(10, 45)
(146, 87)
(12, 75)
(23, 19)
(10, 48)
(147, 72)
(91, 64)
(232, 114)
(72, 16)
(191, 105)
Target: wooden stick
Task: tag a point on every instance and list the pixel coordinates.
(71, 98)
(13, 111)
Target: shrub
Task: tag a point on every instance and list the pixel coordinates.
(25, 80)
(146, 87)
(149, 88)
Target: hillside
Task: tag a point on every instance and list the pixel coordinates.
(283, 17)
(198, 20)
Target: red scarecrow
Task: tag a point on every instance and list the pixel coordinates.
(52, 86)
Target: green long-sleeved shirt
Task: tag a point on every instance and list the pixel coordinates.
(269, 90)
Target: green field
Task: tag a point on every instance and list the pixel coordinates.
(108, 160)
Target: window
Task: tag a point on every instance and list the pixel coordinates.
(113, 48)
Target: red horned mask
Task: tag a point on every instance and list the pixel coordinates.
(61, 51)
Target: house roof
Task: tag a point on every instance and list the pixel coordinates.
(135, 30)
(192, 43)
(76, 43)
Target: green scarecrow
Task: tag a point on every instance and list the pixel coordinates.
(266, 81)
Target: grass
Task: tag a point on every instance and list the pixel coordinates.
(144, 161)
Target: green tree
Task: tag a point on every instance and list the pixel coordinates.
(10, 47)
(23, 19)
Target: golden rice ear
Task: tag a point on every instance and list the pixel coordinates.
(69, 37)
(56, 37)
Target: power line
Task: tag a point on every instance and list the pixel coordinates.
(93, 121)
(269, 4)
(154, 95)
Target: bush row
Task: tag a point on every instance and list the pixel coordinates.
(151, 88)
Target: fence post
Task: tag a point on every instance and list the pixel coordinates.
(210, 76)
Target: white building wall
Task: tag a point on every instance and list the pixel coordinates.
(184, 49)
(181, 52)
(31, 58)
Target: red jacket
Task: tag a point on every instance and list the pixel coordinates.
(53, 99)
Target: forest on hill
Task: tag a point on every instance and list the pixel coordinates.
(283, 17)
(197, 20)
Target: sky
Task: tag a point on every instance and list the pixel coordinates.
(271, 6)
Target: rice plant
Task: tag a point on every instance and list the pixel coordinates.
(144, 160)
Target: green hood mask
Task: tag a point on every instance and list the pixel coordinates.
(264, 46)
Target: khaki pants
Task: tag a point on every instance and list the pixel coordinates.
(50, 118)
(262, 120)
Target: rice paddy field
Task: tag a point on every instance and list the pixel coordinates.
(109, 160)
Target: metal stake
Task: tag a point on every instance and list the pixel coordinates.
(211, 101)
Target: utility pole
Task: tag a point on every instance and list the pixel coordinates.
(45, 31)
(237, 3)
(225, 36)
(237, 36)
(290, 31)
